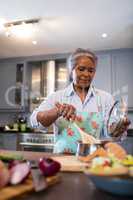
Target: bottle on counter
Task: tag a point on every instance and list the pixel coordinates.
(16, 124)
(22, 123)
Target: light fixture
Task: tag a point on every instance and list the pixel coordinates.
(20, 28)
(34, 42)
(20, 22)
(104, 35)
(2, 21)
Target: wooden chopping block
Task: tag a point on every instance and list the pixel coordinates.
(10, 192)
(70, 163)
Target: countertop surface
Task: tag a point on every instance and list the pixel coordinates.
(129, 132)
(26, 132)
(73, 185)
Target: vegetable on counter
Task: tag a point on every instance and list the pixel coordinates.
(12, 163)
(107, 166)
(19, 172)
(128, 161)
(48, 166)
(4, 175)
(10, 156)
(14, 169)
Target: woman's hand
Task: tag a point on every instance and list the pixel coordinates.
(68, 151)
(120, 130)
(66, 110)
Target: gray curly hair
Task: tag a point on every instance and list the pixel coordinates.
(72, 61)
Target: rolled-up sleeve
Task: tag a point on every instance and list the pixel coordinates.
(47, 104)
(33, 120)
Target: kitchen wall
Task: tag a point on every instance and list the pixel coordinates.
(114, 74)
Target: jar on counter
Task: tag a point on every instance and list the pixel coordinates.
(16, 126)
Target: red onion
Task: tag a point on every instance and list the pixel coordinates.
(19, 172)
(12, 163)
(4, 175)
(48, 166)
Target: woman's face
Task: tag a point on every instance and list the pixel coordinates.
(83, 72)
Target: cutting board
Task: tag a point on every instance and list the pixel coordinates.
(10, 192)
(70, 163)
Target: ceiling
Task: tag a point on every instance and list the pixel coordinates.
(66, 25)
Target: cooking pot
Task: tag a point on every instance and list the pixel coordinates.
(83, 149)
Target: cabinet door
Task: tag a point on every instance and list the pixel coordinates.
(102, 79)
(7, 83)
(122, 64)
(1, 141)
(10, 141)
(10, 88)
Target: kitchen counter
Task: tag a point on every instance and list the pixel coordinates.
(29, 132)
(72, 186)
(129, 132)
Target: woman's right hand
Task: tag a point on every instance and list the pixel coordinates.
(66, 110)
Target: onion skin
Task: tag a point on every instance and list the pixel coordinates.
(12, 163)
(4, 175)
(48, 166)
(19, 172)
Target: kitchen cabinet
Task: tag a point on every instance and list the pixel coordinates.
(103, 76)
(7, 85)
(8, 141)
(122, 65)
(11, 85)
(114, 74)
(1, 141)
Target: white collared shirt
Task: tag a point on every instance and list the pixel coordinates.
(69, 96)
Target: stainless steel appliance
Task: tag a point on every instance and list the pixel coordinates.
(41, 142)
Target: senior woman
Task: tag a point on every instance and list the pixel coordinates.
(80, 102)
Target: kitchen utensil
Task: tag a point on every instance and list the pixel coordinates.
(86, 138)
(83, 149)
(89, 144)
(39, 181)
(116, 118)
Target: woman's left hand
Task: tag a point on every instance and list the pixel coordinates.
(68, 151)
(123, 128)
